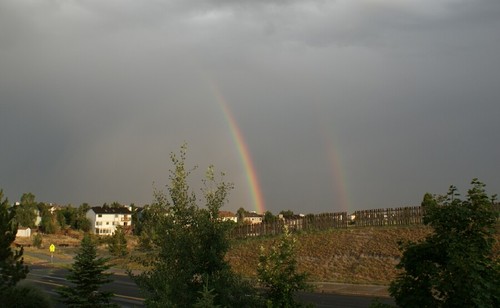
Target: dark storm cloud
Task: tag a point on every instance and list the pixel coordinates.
(95, 94)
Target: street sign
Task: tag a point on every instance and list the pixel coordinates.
(52, 248)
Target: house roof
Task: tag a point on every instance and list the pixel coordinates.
(226, 214)
(253, 214)
(111, 210)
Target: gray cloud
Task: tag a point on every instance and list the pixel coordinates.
(94, 95)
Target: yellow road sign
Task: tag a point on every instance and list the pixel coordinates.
(52, 248)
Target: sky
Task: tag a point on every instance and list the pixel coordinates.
(312, 106)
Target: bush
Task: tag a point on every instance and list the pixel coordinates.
(37, 240)
(27, 296)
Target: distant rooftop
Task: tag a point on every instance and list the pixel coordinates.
(111, 210)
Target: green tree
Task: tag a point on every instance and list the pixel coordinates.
(49, 224)
(118, 243)
(82, 222)
(241, 213)
(26, 211)
(38, 240)
(269, 218)
(12, 268)
(88, 275)
(278, 272)
(287, 213)
(189, 245)
(452, 267)
(70, 216)
(28, 199)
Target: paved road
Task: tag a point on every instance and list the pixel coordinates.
(127, 293)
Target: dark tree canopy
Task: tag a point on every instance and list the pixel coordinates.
(453, 267)
(12, 268)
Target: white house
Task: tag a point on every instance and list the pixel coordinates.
(104, 220)
(23, 232)
(253, 218)
(227, 216)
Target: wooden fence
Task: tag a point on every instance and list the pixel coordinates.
(400, 216)
(390, 216)
(307, 223)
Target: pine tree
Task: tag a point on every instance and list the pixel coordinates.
(118, 243)
(12, 268)
(87, 274)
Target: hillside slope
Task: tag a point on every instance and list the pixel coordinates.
(354, 255)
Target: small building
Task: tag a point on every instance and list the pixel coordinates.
(23, 232)
(104, 220)
(253, 218)
(228, 216)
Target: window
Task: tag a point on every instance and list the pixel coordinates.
(107, 222)
(100, 215)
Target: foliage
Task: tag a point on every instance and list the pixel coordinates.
(207, 297)
(87, 274)
(117, 245)
(76, 217)
(189, 245)
(12, 268)
(26, 211)
(287, 213)
(278, 272)
(453, 266)
(269, 218)
(49, 224)
(26, 296)
(241, 213)
(37, 240)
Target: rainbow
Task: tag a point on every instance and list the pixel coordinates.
(337, 174)
(334, 161)
(251, 174)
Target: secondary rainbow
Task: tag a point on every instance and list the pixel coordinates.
(337, 175)
(239, 140)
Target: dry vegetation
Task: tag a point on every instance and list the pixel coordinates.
(354, 255)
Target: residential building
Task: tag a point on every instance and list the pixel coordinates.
(253, 218)
(228, 216)
(104, 220)
(23, 232)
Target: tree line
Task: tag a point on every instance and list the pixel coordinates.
(184, 244)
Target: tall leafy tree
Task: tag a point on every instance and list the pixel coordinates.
(26, 211)
(12, 268)
(452, 267)
(241, 213)
(88, 275)
(190, 243)
(278, 272)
